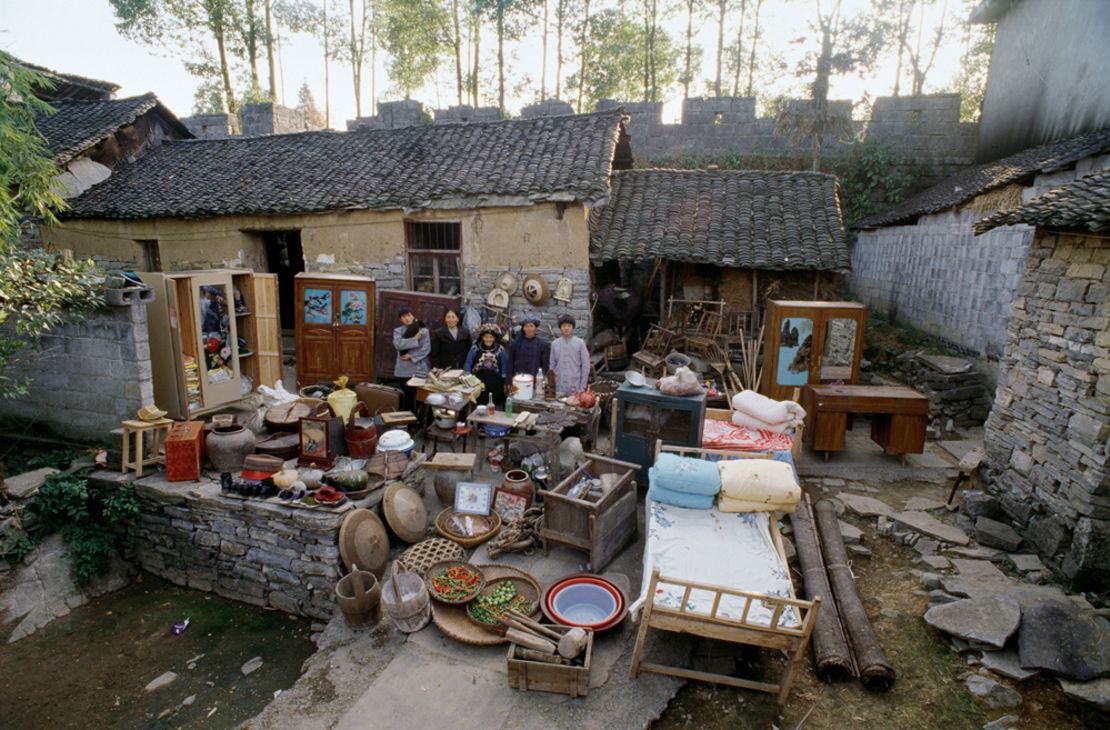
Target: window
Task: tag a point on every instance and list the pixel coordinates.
(435, 265)
(151, 257)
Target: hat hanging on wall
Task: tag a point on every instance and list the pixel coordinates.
(564, 288)
(507, 282)
(498, 298)
(535, 290)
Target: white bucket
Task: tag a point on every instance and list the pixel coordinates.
(523, 386)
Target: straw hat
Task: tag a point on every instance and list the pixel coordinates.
(405, 513)
(535, 290)
(363, 542)
(498, 298)
(150, 413)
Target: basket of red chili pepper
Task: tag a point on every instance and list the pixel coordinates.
(453, 581)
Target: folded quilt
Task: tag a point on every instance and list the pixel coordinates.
(758, 480)
(680, 499)
(683, 474)
(724, 504)
(767, 409)
(740, 418)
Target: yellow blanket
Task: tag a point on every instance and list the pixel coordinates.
(724, 504)
(758, 480)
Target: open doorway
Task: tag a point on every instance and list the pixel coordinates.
(285, 258)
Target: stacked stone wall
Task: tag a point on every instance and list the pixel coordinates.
(87, 376)
(1047, 436)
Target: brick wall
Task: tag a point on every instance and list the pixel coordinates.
(88, 376)
(1048, 436)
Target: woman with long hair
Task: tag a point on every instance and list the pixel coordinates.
(450, 343)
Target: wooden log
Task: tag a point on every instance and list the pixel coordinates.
(530, 641)
(539, 656)
(830, 646)
(573, 643)
(874, 670)
(536, 628)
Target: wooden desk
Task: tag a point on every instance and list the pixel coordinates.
(899, 416)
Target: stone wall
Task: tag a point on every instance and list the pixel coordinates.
(88, 376)
(1047, 436)
(212, 126)
(269, 118)
(244, 549)
(479, 282)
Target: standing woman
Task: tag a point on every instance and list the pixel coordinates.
(529, 353)
(413, 344)
(450, 343)
(490, 363)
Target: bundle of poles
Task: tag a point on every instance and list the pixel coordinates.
(844, 644)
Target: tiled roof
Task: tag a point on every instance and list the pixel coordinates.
(566, 158)
(745, 219)
(78, 125)
(966, 185)
(1084, 203)
(70, 86)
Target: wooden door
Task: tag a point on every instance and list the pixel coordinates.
(790, 342)
(354, 330)
(267, 329)
(217, 338)
(428, 307)
(315, 331)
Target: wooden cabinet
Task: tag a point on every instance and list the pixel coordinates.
(644, 415)
(429, 308)
(808, 343)
(899, 416)
(334, 327)
(214, 337)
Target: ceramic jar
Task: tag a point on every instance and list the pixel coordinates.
(519, 482)
(227, 447)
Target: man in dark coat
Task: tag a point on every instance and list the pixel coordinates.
(529, 352)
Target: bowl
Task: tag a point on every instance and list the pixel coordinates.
(589, 578)
(584, 602)
(635, 379)
(433, 572)
(436, 399)
(396, 440)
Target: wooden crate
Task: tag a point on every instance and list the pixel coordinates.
(527, 675)
(602, 528)
(184, 451)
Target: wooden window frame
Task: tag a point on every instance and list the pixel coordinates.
(152, 254)
(434, 254)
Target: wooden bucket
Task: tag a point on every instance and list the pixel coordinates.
(359, 597)
(362, 439)
(405, 598)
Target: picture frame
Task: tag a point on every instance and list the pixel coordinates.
(510, 505)
(314, 444)
(473, 498)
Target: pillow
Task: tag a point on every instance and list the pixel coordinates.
(759, 480)
(724, 504)
(680, 499)
(683, 474)
(767, 409)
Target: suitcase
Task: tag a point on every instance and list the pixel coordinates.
(184, 451)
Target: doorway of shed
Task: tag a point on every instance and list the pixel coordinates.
(284, 257)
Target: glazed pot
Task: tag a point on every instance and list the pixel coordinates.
(228, 447)
(519, 482)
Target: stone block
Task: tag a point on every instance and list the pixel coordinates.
(1048, 534)
(1088, 561)
(976, 504)
(27, 484)
(996, 534)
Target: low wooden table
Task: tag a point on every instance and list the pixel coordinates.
(899, 416)
(546, 439)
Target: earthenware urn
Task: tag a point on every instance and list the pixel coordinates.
(227, 447)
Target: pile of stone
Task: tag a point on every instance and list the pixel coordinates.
(957, 396)
(16, 493)
(1009, 628)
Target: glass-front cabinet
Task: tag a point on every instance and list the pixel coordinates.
(808, 343)
(645, 415)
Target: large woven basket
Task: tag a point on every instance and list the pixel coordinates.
(427, 553)
(465, 541)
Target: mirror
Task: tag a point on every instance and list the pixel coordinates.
(840, 349)
(795, 351)
(215, 333)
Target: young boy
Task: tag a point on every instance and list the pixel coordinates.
(570, 360)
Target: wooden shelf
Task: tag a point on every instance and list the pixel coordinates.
(244, 314)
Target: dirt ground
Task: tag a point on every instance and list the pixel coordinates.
(929, 691)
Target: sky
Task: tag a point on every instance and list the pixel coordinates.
(79, 36)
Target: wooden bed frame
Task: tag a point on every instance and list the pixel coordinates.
(791, 640)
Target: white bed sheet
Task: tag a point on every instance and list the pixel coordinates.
(732, 550)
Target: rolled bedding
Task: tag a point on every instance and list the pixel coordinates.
(724, 504)
(680, 499)
(683, 474)
(759, 481)
(739, 418)
(767, 410)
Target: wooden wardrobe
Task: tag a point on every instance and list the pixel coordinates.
(334, 327)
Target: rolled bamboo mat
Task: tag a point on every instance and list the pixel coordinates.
(874, 670)
(831, 654)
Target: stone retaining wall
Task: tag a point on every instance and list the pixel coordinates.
(1048, 436)
(247, 550)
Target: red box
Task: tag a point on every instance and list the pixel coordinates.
(184, 451)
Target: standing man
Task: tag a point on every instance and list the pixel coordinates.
(529, 352)
(570, 360)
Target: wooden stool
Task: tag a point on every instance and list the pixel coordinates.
(969, 467)
(138, 457)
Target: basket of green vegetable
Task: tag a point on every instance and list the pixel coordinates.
(520, 594)
(454, 581)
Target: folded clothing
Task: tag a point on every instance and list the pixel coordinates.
(683, 474)
(759, 480)
(767, 409)
(680, 499)
(724, 504)
(739, 418)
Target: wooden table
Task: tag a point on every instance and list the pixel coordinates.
(587, 418)
(545, 438)
(899, 416)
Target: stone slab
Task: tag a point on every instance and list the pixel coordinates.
(852, 535)
(865, 506)
(989, 621)
(1007, 664)
(1063, 639)
(1026, 563)
(24, 486)
(995, 694)
(936, 562)
(993, 533)
(923, 504)
(931, 526)
(946, 365)
(1096, 692)
(162, 680)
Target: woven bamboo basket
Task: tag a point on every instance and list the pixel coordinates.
(427, 553)
(465, 541)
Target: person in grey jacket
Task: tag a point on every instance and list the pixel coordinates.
(570, 360)
(413, 344)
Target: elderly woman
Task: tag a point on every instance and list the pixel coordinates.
(489, 362)
(529, 353)
(413, 343)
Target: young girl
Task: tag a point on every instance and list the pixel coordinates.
(490, 363)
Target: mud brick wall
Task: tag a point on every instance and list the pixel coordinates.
(1047, 436)
(247, 550)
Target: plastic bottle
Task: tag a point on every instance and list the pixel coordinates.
(490, 408)
(509, 406)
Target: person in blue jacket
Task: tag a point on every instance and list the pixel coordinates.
(529, 352)
(489, 362)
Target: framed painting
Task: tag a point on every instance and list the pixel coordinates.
(510, 505)
(352, 307)
(314, 445)
(317, 306)
(473, 498)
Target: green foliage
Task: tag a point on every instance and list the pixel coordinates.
(868, 177)
(86, 519)
(415, 34)
(55, 458)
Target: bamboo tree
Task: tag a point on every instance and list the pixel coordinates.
(270, 48)
(543, 65)
(687, 73)
(722, 8)
(560, 20)
(456, 42)
(582, 52)
(739, 49)
(755, 42)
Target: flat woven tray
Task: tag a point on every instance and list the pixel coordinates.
(466, 542)
(454, 623)
(427, 553)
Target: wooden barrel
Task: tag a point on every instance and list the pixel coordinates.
(405, 598)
